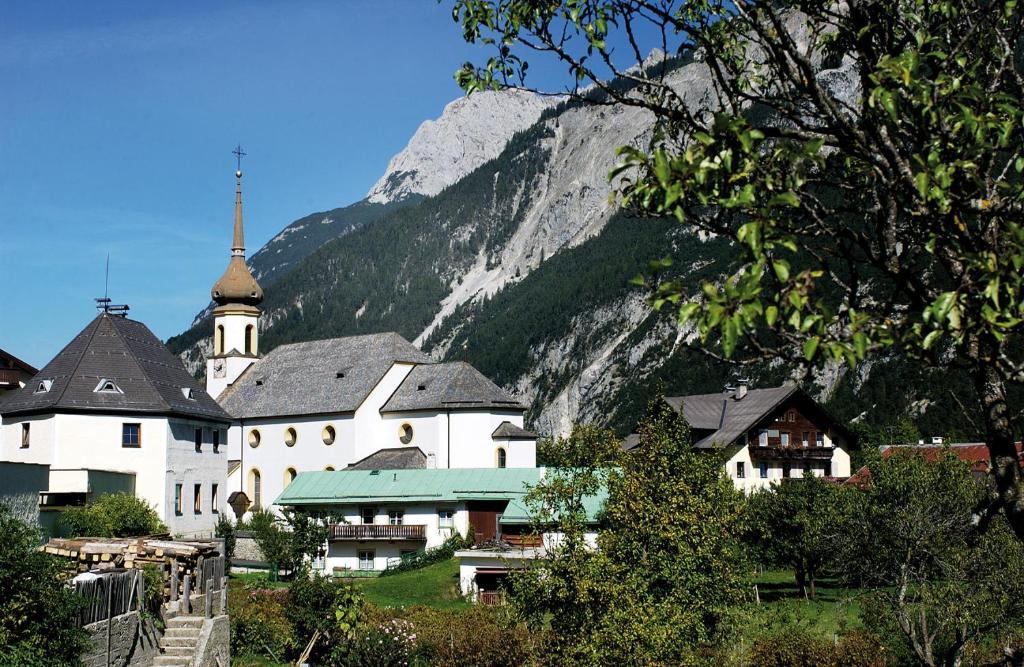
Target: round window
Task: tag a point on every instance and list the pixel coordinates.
(254, 438)
(290, 436)
(405, 434)
(328, 435)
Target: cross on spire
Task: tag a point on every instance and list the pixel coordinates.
(239, 154)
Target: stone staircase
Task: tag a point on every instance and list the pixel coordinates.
(178, 645)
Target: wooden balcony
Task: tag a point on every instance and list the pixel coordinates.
(790, 453)
(386, 532)
(522, 541)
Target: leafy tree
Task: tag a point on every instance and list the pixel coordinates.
(939, 583)
(113, 515)
(666, 567)
(38, 615)
(293, 539)
(864, 157)
(226, 529)
(795, 524)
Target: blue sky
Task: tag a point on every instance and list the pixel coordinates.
(117, 120)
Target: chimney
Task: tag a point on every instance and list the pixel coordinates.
(741, 389)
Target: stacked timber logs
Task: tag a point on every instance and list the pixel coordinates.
(183, 563)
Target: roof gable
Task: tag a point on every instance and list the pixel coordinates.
(448, 386)
(126, 353)
(317, 377)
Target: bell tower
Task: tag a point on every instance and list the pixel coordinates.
(236, 317)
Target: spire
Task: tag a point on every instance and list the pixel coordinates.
(238, 242)
(237, 286)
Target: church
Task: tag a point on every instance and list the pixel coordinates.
(368, 402)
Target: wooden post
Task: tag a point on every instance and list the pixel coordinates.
(209, 598)
(224, 596)
(110, 602)
(174, 581)
(186, 594)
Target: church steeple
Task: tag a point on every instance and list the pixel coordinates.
(236, 317)
(237, 286)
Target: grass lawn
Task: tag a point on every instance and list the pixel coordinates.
(256, 579)
(835, 610)
(436, 585)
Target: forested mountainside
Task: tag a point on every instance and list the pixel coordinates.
(522, 268)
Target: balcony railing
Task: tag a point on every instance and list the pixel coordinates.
(345, 531)
(790, 453)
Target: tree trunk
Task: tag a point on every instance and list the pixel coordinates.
(1005, 470)
(801, 581)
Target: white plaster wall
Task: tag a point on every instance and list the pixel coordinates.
(473, 447)
(372, 432)
(233, 367)
(187, 467)
(234, 330)
(273, 457)
(468, 565)
(429, 433)
(42, 438)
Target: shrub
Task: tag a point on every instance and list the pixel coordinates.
(318, 604)
(260, 625)
(389, 644)
(475, 636)
(38, 624)
(113, 515)
(797, 648)
(444, 552)
(226, 529)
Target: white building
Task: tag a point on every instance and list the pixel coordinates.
(331, 404)
(768, 434)
(115, 400)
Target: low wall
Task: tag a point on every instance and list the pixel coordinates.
(214, 648)
(246, 547)
(131, 644)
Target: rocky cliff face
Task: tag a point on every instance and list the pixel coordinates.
(470, 131)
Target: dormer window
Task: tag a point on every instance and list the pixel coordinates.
(422, 387)
(339, 374)
(106, 386)
(44, 386)
(188, 393)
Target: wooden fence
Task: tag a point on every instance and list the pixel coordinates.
(206, 579)
(108, 595)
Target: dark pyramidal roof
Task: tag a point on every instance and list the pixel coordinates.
(448, 386)
(392, 458)
(146, 377)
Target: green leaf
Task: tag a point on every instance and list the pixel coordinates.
(810, 347)
(771, 314)
(781, 268)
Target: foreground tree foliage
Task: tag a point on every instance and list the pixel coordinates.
(939, 583)
(795, 524)
(113, 515)
(865, 157)
(38, 613)
(666, 568)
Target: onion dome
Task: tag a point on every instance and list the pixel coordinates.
(237, 286)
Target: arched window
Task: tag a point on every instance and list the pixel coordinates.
(501, 457)
(256, 488)
(254, 438)
(405, 434)
(329, 469)
(328, 435)
(218, 339)
(250, 340)
(290, 436)
(289, 476)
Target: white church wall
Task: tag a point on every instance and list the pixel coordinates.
(473, 447)
(429, 433)
(370, 430)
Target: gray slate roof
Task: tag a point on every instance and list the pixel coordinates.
(126, 352)
(392, 458)
(509, 431)
(726, 417)
(448, 386)
(302, 378)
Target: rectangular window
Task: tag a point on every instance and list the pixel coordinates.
(177, 499)
(197, 499)
(214, 499)
(819, 439)
(25, 435)
(828, 468)
(786, 469)
(773, 433)
(367, 514)
(741, 470)
(792, 415)
(762, 438)
(199, 439)
(395, 517)
(366, 559)
(784, 438)
(763, 469)
(216, 440)
(445, 519)
(131, 435)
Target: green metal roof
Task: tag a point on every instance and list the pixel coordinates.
(346, 487)
(517, 512)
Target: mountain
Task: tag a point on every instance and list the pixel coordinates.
(513, 259)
